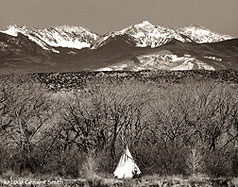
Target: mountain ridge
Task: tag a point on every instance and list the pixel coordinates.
(60, 36)
(142, 46)
(144, 34)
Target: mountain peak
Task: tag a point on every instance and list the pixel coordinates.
(144, 34)
(145, 23)
(72, 29)
(10, 30)
(14, 29)
(200, 34)
(59, 36)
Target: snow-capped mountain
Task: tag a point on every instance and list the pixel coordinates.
(201, 34)
(144, 34)
(61, 36)
(142, 46)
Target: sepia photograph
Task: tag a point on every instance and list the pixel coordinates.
(119, 93)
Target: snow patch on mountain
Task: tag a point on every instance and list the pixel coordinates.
(12, 31)
(160, 61)
(213, 58)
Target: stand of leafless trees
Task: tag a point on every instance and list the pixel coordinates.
(45, 132)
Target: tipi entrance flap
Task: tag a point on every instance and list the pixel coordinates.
(126, 167)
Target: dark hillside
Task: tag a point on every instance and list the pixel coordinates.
(75, 80)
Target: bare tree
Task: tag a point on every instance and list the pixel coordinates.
(24, 115)
(99, 117)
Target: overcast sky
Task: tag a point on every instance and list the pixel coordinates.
(102, 16)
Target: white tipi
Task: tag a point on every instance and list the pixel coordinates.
(126, 167)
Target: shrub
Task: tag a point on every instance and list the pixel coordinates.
(195, 162)
(89, 167)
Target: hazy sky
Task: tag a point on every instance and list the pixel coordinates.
(102, 16)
